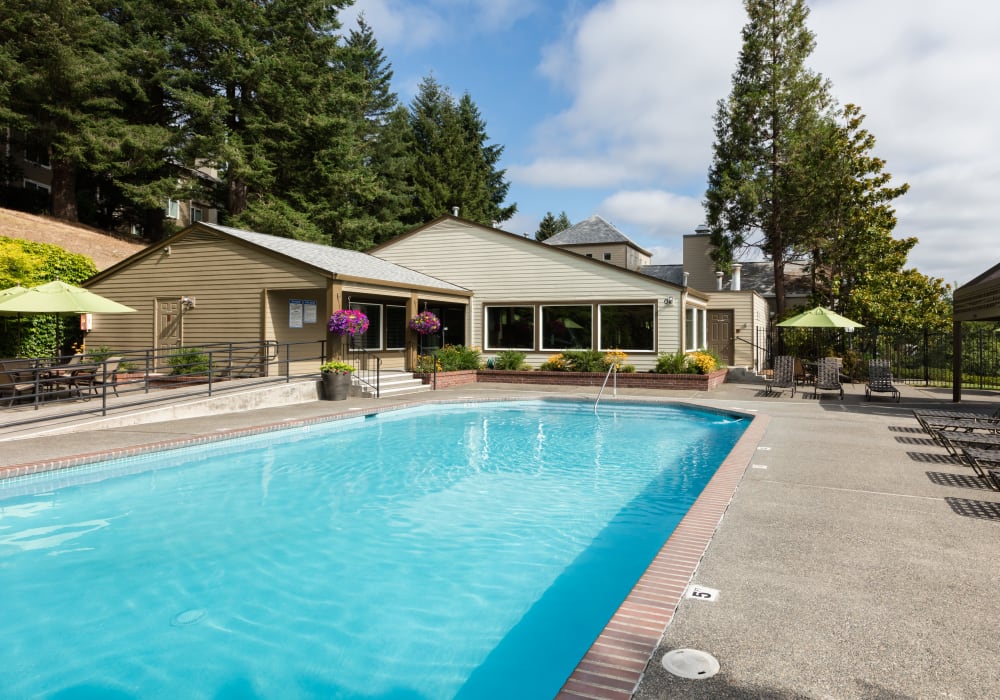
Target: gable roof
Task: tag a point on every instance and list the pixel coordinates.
(527, 241)
(338, 263)
(592, 231)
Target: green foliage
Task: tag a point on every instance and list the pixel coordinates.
(453, 165)
(760, 180)
(585, 361)
(510, 360)
(550, 226)
(336, 367)
(555, 363)
(188, 361)
(673, 363)
(452, 358)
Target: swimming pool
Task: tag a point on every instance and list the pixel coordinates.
(416, 553)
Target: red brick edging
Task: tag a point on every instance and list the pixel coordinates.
(613, 667)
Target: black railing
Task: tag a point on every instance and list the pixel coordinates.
(69, 385)
(920, 358)
(367, 369)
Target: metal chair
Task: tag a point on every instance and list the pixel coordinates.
(783, 376)
(880, 380)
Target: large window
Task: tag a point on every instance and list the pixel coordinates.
(627, 326)
(510, 327)
(567, 327)
(694, 328)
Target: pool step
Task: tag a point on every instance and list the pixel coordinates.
(396, 383)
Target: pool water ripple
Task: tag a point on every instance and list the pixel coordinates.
(403, 554)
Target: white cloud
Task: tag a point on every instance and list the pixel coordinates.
(397, 22)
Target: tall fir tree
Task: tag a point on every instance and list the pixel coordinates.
(453, 165)
(550, 225)
(65, 92)
(761, 133)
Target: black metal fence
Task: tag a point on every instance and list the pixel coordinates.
(923, 358)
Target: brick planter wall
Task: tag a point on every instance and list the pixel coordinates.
(634, 380)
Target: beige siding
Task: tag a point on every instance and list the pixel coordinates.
(507, 269)
(698, 263)
(750, 316)
(223, 276)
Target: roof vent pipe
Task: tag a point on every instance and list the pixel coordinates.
(718, 280)
(454, 211)
(737, 268)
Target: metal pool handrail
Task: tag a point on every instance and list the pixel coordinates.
(613, 368)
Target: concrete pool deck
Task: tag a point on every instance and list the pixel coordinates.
(855, 560)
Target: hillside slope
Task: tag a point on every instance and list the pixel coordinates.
(103, 248)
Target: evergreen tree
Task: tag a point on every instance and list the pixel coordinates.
(754, 198)
(65, 90)
(453, 166)
(550, 226)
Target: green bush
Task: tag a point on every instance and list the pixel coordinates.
(188, 361)
(585, 361)
(509, 360)
(674, 363)
(452, 358)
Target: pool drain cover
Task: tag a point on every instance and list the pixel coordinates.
(690, 663)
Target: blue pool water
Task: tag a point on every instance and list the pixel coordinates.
(471, 551)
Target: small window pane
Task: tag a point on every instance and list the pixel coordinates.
(372, 338)
(567, 327)
(627, 326)
(510, 327)
(395, 327)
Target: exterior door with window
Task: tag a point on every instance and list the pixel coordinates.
(169, 325)
(721, 340)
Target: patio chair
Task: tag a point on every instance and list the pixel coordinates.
(12, 387)
(804, 374)
(828, 376)
(880, 380)
(100, 375)
(783, 376)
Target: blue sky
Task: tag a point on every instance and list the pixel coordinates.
(605, 106)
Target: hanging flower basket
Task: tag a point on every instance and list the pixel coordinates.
(347, 322)
(425, 323)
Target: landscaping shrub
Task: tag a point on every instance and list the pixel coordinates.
(705, 361)
(188, 361)
(452, 358)
(585, 361)
(673, 363)
(509, 360)
(555, 363)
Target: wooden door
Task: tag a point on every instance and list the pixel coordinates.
(721, 339)
(169, 327)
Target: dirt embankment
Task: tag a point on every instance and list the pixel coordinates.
(103, 248)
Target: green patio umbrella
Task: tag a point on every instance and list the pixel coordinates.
(58, 298)
(820, 317)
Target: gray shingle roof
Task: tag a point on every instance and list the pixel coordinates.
(668, 273)
(592, 230)
(338, 260)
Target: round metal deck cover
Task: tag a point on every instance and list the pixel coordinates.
(690, 663)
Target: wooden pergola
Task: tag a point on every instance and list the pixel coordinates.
(978, 300)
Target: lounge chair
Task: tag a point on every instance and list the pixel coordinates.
(783, 376)
(880, 380)
(828, 376)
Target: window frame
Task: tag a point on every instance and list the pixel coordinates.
(651, 305)
(488, 308)
(541, 327)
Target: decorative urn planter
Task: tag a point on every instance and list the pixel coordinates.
(336, 380)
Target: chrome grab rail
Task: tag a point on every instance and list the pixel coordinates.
(613, 368)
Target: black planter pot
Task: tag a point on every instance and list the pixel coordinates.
(336, 386)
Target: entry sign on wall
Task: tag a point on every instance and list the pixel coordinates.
(308, 311)
(294, 313)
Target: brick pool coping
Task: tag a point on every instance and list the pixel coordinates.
(613, 666)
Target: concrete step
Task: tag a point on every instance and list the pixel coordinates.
(396, 383)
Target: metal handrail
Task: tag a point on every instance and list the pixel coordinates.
(612, 369)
